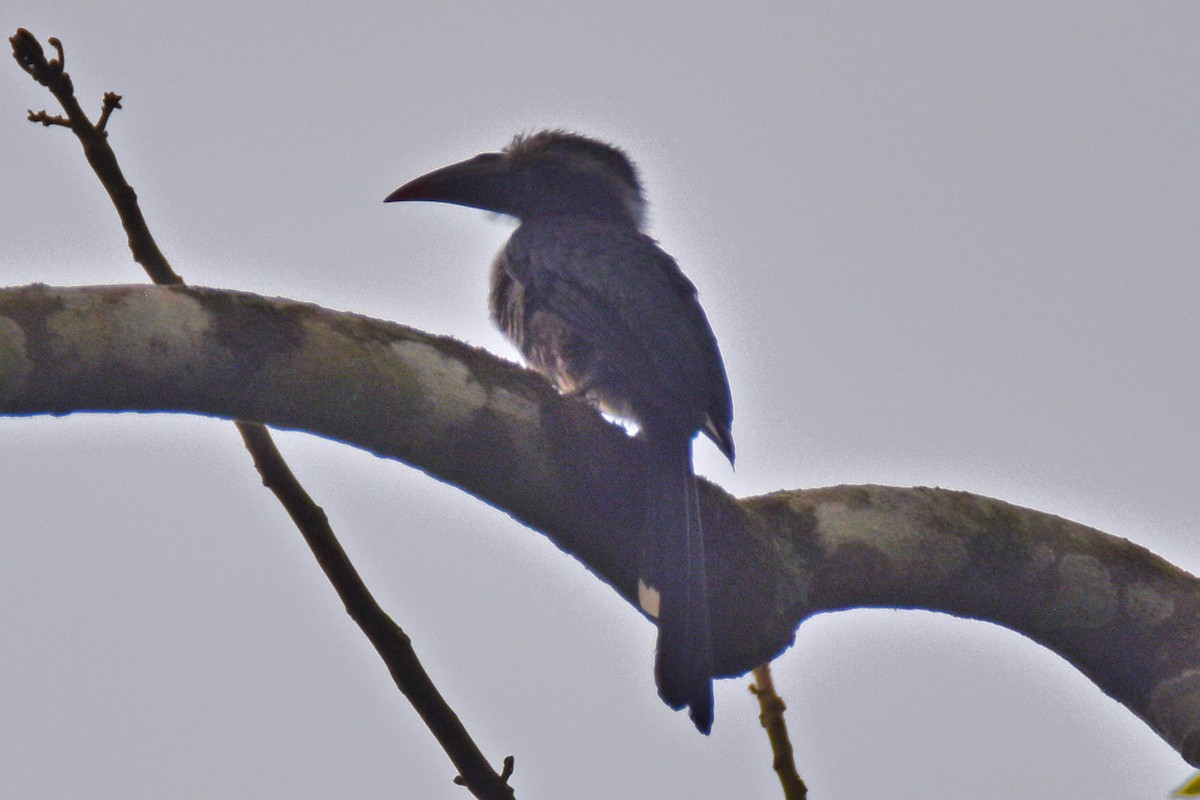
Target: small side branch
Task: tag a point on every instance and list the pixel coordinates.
(112, 101)
(771, 708)
(28, 53)
(47, 119)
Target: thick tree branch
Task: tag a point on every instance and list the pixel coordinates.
(389, 640)
(1126, 618)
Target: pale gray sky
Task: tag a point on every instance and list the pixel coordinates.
(947, 244)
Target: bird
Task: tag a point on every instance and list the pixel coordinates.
(596, 306)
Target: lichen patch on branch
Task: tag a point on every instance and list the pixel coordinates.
(14, 360)
(908, 548)
(449, 376)
(1085, 596)
(178, 322)
(1147, 605)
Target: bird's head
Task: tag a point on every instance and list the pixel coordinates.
(539, 175)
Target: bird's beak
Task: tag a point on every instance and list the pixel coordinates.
(484, 181)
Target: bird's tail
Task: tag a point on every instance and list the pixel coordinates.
(674, 584)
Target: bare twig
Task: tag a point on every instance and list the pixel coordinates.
(389, 640)
(48, 120)
(771, 716)
(112, 101)
(50, 73)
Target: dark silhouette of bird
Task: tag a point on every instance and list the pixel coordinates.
(597, 307)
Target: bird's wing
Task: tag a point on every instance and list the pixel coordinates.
(615, 287)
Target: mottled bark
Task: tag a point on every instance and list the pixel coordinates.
(1126, 618)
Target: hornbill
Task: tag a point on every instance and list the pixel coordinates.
(597, 307)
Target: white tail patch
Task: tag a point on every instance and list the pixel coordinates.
(648, 598)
